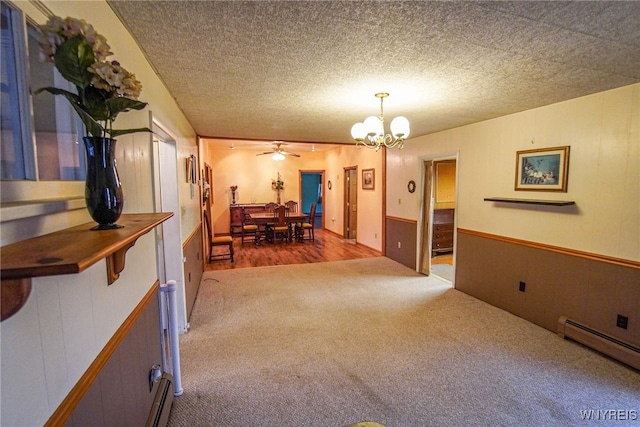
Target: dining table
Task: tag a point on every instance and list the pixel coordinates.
(265, 218)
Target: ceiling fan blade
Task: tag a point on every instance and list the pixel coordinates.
(266, 152)
(289, 153)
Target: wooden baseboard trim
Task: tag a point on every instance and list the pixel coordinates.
(395, 218)
(566, 251)
(66, 408)
(326, 230)
(357, 243)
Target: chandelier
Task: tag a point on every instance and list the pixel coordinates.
(370, 133)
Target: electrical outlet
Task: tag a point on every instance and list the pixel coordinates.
(399, 245)
(622, 321)
(522, 286)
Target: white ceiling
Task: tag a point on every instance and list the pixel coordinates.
(308, 70)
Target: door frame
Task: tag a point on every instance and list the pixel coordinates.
(169, 252)
(427, 204)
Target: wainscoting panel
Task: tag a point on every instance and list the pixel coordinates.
(401, 232)
(588, 288)
(119, 393)
(193, 268)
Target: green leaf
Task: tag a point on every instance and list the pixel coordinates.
(95, 102)
(71, 97)
(119, 104)
(94, 128)
(115, 132)
(73, 58)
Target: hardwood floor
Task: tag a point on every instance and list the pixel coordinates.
(442, 259)
(326, 247)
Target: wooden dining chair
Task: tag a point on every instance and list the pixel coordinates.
(267, 230)
(270, 207)
(292, 205)
(309, 225)
(280, 227)
(212, 242)
(250, 229)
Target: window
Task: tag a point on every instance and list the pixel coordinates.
(53, 125)
(16, 152)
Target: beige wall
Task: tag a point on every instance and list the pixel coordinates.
(66, 322)
(253, 174)
(369, 228)
(603, 131)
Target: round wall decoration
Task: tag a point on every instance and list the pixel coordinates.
(329, 185)
(411, 186)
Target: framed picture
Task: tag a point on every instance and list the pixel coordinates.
(368, 179)
(190, 167)
(544, 169)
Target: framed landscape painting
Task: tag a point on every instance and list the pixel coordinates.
(544, 169)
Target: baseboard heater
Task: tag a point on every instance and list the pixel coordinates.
(620, 350)
(159, 415)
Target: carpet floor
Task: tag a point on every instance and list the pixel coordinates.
(336, 343)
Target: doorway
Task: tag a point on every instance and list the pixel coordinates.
(311, 183)
(166, 199)
(350, 203)
(438, 213)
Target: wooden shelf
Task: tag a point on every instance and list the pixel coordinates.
(531, 201)
(69, 251)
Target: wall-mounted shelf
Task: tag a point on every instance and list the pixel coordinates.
(531, 201)
(69, 251)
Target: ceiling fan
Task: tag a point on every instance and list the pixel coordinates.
(278, 153)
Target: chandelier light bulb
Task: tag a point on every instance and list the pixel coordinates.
(358, 132)
(400, 127)
(277, 156)
(372, 125)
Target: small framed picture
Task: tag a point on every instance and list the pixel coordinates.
(368, 179)
(545, 169)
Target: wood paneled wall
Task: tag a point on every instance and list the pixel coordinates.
(193, 267)
(587, 288)
(119, 394)
(400, 244)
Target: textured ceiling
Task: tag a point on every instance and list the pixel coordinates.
(308, 70)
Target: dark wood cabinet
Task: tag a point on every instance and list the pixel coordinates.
(442, 237)
(235, 215)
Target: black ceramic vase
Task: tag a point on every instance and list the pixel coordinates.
(102, 192)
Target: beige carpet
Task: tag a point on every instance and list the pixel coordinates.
(332, 344)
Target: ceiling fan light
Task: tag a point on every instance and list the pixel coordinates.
(277, 156)
(400, 127)
(358, 132)
(373, 126)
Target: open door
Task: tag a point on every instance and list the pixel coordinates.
(425, 254)
(350, 203)
(438, 231)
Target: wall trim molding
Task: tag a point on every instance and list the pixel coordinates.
(395, 218)
(557, 249)
(69, 403)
